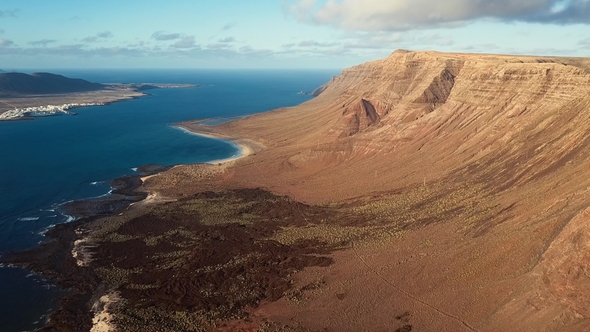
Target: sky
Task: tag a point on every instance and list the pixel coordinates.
(272, 34)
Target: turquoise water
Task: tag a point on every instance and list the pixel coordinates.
(53, 160)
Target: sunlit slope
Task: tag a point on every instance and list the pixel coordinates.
(419, 116)
(480, 166)
(502, 146)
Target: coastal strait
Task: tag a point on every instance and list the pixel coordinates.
(422, 192)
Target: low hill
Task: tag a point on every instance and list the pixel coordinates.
(43, 83)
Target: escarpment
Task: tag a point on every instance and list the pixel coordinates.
(426, 115)
(481, 161)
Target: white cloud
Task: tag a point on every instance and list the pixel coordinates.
(161, 36)
(6, 43)
(218, 46)
(98, 36)
(313, 43)
(301, 9)
(106, 34)
(228, 26)
(584, 43)
(394, 15)
(186, 42)
(8, 13)
(227, 40)
(42, 42)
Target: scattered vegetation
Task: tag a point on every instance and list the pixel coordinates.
(190, 264)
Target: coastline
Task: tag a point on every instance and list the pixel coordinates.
(73, 242)
(245, 147)
(67, 254)
(115, 92)
(399, 225)
(81, 252)
(101, 97)
(103, 320)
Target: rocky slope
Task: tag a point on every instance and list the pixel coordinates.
(481, 161)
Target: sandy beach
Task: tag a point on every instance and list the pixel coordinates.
(246, 147)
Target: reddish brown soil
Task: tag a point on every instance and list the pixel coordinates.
(499, 145)
(221, 268)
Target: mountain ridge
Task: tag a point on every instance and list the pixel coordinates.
(43, 83)
(417, 119)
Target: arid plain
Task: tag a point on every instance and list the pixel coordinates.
(422, 192)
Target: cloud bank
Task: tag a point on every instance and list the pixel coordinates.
(8, 13)
(186, 42)
(6, 43)
(396, 15)
(98, 37)
(42, 42)
(162, 36)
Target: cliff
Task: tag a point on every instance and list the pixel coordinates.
(481, 162)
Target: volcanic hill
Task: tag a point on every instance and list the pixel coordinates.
(476, 168)
(43, 83)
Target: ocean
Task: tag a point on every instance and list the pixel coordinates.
(52, 160)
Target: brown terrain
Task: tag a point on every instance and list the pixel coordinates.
(422, 192)
(482, 161)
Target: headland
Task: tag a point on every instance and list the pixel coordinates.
(23, 97)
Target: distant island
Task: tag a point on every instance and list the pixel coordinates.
(43, 83)
(24, 96)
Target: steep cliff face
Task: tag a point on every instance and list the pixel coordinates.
(497, 146)
(428, 115)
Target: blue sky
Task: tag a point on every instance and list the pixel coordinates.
(279, 34)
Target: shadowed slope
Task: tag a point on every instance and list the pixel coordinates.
(43, 83)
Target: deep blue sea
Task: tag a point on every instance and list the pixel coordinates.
(52, 160)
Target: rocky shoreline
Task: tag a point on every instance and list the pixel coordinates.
(112, 233)
(201, 261)
(195, 263)
(53, 259)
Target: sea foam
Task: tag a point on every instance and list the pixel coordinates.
(28, 219)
